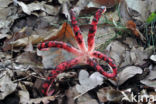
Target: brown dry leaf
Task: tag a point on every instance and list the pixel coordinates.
(132, 26)
(107, 3)
(109, 94)
(7, 44)
(29, 58)
(126, 74)
(55, 56)
(68, 75)
(86, 99)
(70, 94)
(64, 34)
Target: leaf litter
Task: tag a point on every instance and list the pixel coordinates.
(122, 34)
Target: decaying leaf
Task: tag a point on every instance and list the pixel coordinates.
(70, 94)
(109, 94)
(5, 3)
(88, 82)
(29, 58)
(23, 94)
(124, 55)
(55, 56)
(28, 9)
(63, 1)
(44, 100)
(125, 16)
(103, 35)
(7, 44)
(64, 76)
(107, 3)
(116, 51)
(132, 26)
(65, 11)
(6, 85)
(86, 99)
(81, 4)
(138, 55)
(126, 74)
(150, 80)
(140, 7)
(8, 15)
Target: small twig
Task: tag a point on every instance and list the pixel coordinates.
(80, 95)
(32, 74)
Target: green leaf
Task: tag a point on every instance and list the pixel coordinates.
(151, 18)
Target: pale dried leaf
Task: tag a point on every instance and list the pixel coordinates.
(140, 7)
(150, 80)
(23, 94)
(138, 55)
(28, 9)
(54, 56)
(124, 12)
(126, 74)
(153, 58)
(116, 51)
(65, 7)
(25, 41)
(7, 86)
(29, 58)
(92, 4)
(87, 83)
(81, 4)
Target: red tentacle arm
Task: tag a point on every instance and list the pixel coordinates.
(59, 44)
(93, 28)
(59, 69)
(97, 54)
(77, 31)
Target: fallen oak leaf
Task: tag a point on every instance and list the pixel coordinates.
(7, 44)
(126, 74)
(107, 3)
(64, 34)
(6, 85)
